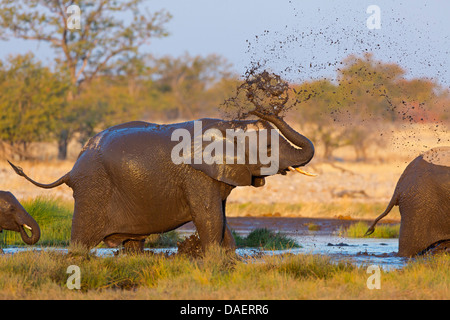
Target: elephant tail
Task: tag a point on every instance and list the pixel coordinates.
(392, 203)
(64, 179)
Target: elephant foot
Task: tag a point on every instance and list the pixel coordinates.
(134, 246)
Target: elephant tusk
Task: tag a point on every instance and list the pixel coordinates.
(27, 226)
(305, 173)
(302, 172)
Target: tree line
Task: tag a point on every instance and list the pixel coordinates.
(38, 104)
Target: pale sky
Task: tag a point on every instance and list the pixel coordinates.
(310, 37)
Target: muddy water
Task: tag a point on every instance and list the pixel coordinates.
(359, 251)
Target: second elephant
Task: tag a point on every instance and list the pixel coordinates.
(423, 196)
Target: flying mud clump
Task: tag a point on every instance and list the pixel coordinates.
(261, 92)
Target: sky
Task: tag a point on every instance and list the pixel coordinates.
(302, 40)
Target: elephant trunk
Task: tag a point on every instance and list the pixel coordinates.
(296, 157)
(26, 221)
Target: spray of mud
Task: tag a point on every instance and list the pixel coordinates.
(191, 246)
(268, 84)
(261, 91)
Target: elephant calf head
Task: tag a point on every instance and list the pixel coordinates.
(15, 218)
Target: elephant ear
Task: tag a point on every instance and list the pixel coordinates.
(233, 174)
(232, 169)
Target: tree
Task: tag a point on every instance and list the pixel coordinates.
(322, 114)
(370, 87)
(31, 96)
(368, 92)
(106, 35)
(188, 83)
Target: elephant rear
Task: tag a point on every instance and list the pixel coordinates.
(424, 202)
(423, 196)
(115, 183)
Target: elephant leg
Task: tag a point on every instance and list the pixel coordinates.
(209, 224)
(228, 240)
(206, 209)
(86, 232)
(134, 246)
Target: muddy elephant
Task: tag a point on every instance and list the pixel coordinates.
(14, 217)
(138, 178)
(423, 196)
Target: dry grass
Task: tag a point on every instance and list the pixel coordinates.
(42, 275)
(44, 172)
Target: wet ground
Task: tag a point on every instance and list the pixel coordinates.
(324, 241)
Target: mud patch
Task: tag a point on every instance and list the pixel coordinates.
(190, 246)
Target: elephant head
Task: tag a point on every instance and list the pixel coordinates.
(264, 153)
(15, 218)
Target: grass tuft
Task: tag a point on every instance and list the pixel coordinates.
(266, 239)
(358, 229)
(163, 240)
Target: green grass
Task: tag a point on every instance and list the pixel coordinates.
(358, 229)
(163, 240)
(266, 239)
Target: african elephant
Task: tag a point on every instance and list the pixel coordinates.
(14, 217)
(128, 181)
(423, 196)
